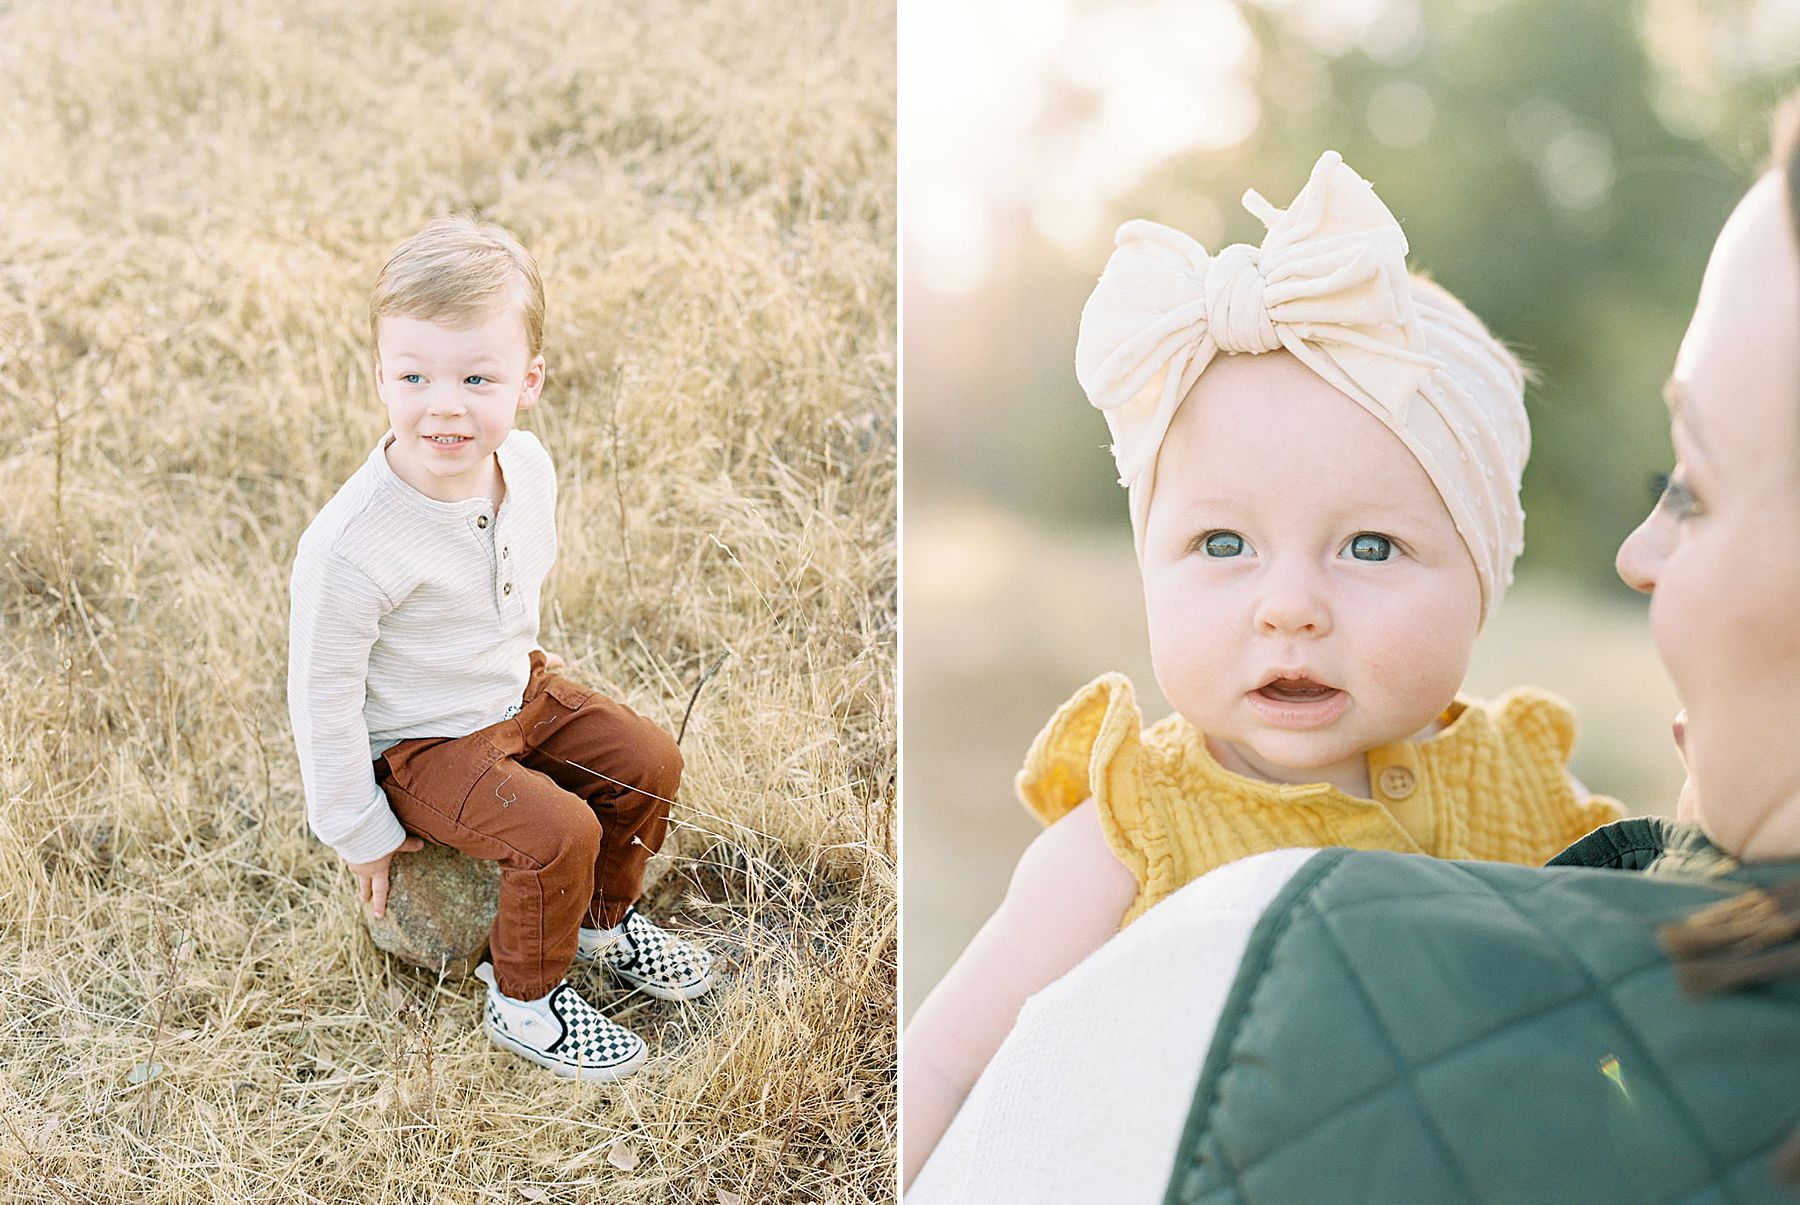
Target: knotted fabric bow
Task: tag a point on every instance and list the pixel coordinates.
(1328, 284)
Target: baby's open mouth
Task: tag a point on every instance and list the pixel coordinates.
(1297, 703)
(448, 439)
(1296, 690)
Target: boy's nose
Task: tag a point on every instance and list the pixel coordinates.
(446, 399)
(1641, 555)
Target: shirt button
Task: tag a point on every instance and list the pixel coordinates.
(507, 589)
(1396, 782)
(481, 521)
(504, 552)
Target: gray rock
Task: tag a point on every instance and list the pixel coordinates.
(441, 904)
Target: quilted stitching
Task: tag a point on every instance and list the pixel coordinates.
(1308, 920)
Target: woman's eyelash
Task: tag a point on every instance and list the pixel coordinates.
(1670, 492)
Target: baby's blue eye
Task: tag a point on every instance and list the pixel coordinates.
(411, 378)
(1224, 543)
(1370, 547)
(474, 380)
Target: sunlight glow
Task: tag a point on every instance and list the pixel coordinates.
(1050, 111)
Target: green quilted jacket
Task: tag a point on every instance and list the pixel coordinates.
(1404, 1029)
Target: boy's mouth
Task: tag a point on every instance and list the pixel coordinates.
(447, 441)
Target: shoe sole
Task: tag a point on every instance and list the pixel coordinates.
(663, 991)
(585, 1073)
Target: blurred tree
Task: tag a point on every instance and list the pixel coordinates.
(1563, 167)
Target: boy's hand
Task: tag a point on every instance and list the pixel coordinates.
(552, 660)
(372, 876)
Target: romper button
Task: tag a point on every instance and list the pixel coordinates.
(1396, 782)
(506, 589)
(481, 521)
(505, 552)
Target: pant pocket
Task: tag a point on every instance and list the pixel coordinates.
(566, 692)
(442, 777)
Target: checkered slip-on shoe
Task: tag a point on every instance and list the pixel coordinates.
(647, 957)
(580, 1043)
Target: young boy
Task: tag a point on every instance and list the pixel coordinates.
(421, 703)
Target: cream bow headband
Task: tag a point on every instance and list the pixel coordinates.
(1330, 285)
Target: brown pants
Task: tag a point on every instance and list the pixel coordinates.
(570, 796)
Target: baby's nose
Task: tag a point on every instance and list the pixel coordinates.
(1293, 607)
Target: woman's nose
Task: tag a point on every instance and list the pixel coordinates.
(1642, 553)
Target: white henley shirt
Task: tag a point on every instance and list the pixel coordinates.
(409, 617)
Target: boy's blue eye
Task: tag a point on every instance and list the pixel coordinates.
(475, 380)
(1223, 544)
(411, 378)
(1370, 547)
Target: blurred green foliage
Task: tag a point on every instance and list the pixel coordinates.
(1563, 167)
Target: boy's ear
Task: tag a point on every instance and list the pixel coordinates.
(533, 384)
(376, 360)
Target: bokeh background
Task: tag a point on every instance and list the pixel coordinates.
(1563, 167)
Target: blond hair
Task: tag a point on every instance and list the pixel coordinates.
(459, 269)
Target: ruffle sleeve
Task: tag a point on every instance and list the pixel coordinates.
(1543, 726)
(1093, 747)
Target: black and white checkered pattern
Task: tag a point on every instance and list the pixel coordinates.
(588, 1046)
(650, 959)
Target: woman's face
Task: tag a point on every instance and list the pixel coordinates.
(1720, 553)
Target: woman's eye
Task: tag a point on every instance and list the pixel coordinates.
(1675, 496)
(1370, 547)
(1223, 543)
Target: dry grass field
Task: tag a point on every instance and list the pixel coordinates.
(196, 196)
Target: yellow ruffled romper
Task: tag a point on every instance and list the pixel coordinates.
(1492, 784)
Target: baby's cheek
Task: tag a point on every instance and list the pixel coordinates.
(1187, 655)
(1418, 668)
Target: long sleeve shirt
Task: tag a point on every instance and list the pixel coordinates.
(409, 617)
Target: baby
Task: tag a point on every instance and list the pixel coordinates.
(1324, 515)
(421, 702)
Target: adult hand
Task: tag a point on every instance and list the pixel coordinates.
(372, 876)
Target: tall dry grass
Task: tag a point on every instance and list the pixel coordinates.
(196, 198)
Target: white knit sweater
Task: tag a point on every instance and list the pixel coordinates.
(409, 618)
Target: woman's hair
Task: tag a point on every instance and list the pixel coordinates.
(1738, 944)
